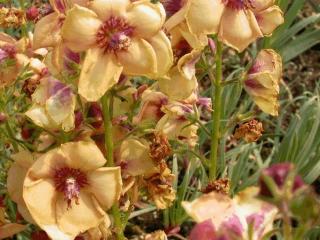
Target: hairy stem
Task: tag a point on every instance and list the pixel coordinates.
(107, 102)
(216, 114)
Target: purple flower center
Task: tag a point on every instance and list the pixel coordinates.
(69, 181)
(172, 6)
(114, 35)
(238, 4)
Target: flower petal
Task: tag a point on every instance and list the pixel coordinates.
(10, 229)
(47, 31)
(147, 18)
(83, 155)
(80, 28)
(102, 179)
(238, 28)
(162, 47)
(201, 209)
(139, 59)
(39, 116)
(79, 217)
(45, 165)
(99, 73)
(40, 197)
(269, 19)
(177, 86)
(61, 105)
(17, 174)
(204, 16)
(107, 8)
(259, 5)
(135, 155)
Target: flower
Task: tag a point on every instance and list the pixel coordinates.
(119, 36)
(181, 81)
(65, 189)
(11, 62)
(151, 104)
(231, 218)
(53, 105)
(157, 235)
(237, 22)
(262, 81)
(175, 124)
(160, 186)
(47, 33)
(135, 157)
(250, 131)
(16, 175)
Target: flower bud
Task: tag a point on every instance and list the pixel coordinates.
(3, 117)
(279, 173)
(32, 13)
(95, 112)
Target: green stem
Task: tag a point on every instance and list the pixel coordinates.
(216, 93)
(107, 101)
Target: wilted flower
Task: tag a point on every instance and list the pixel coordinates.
(262, 81)
(175, 124)
(250, 131)
(221, 185)
(53, 105)
(237, 23)
(119, 36)
(160, 186)
(159, 147)
(231, 218)
(11, 17)
(65, 189)
(279, 173)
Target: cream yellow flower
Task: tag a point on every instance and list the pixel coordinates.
(67, 190)
(262, 81)
(11, 60)
(181, 81)
(237, 22)
(232, 218)
(53, 105)
(119, 37)
(175, 124)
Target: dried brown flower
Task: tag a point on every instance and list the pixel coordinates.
(221, 185)
(159, 147)
(250, 131)
(159, 186)
(11, 17)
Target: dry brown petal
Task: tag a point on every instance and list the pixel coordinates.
(250, 131)
(221, 185)
(160, 147)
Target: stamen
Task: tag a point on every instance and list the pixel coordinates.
(69, 181)
(114, 35)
